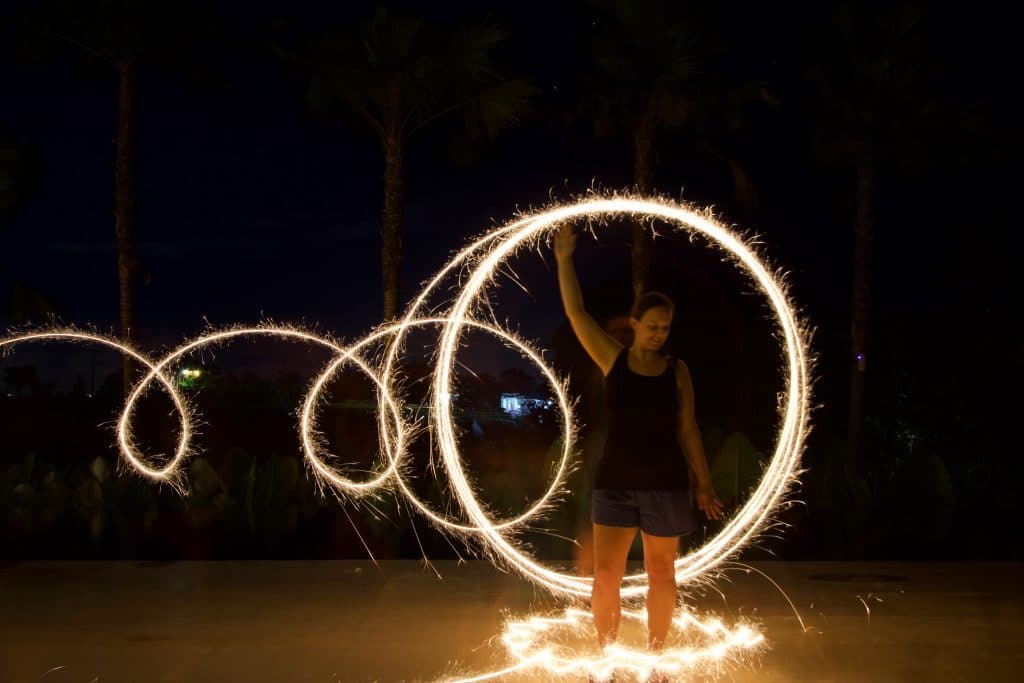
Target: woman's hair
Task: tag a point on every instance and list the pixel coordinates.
(649, 300)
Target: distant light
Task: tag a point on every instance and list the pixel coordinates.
(860, 356)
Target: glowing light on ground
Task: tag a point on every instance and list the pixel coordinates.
(559, 646)
(476, 267)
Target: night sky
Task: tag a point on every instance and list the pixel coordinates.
(249, 207)
(252, 207)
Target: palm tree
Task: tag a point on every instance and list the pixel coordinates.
(399, 74)
(873, 113)
(651, 76)
(109, 32)
(118, 34)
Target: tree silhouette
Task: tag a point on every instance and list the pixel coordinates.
(654, 73)
(398, 74)
(118, 35)
(872, 108)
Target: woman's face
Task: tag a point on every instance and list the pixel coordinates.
(651, 330)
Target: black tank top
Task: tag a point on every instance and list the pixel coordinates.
(642, 450)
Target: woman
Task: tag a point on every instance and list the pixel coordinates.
(642, 480)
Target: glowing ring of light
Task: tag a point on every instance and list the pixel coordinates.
(395, 451)
(525, 640)
(485, 255)
(782, 468)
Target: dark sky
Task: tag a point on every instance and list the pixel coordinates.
(248, 206)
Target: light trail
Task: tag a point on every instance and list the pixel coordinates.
(169, 473)
(550, 646)
(316, 456)
(747, 568)
(476, 267)
(780, 474)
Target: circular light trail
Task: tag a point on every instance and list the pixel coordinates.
(545, 643)
(488, 254)
(476, 267)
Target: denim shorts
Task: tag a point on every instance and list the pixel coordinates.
(656, 512)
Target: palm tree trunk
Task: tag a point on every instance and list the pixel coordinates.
(643, 171)
(742, 188)
(391, 224)
(860, 304)
(124, 206)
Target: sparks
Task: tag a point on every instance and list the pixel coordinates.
(544, 644)
(477, 266)
(490, 252)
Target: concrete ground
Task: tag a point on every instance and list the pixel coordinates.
(326, 622)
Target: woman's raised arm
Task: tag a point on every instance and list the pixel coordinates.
(601, 347)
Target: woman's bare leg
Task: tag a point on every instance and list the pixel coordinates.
(659, 561)
(611, 549)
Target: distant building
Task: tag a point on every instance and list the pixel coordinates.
(517, 404)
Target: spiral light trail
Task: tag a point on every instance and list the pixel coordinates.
(477, 265)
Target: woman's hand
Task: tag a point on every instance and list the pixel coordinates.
(565, 242)
(708, 502)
